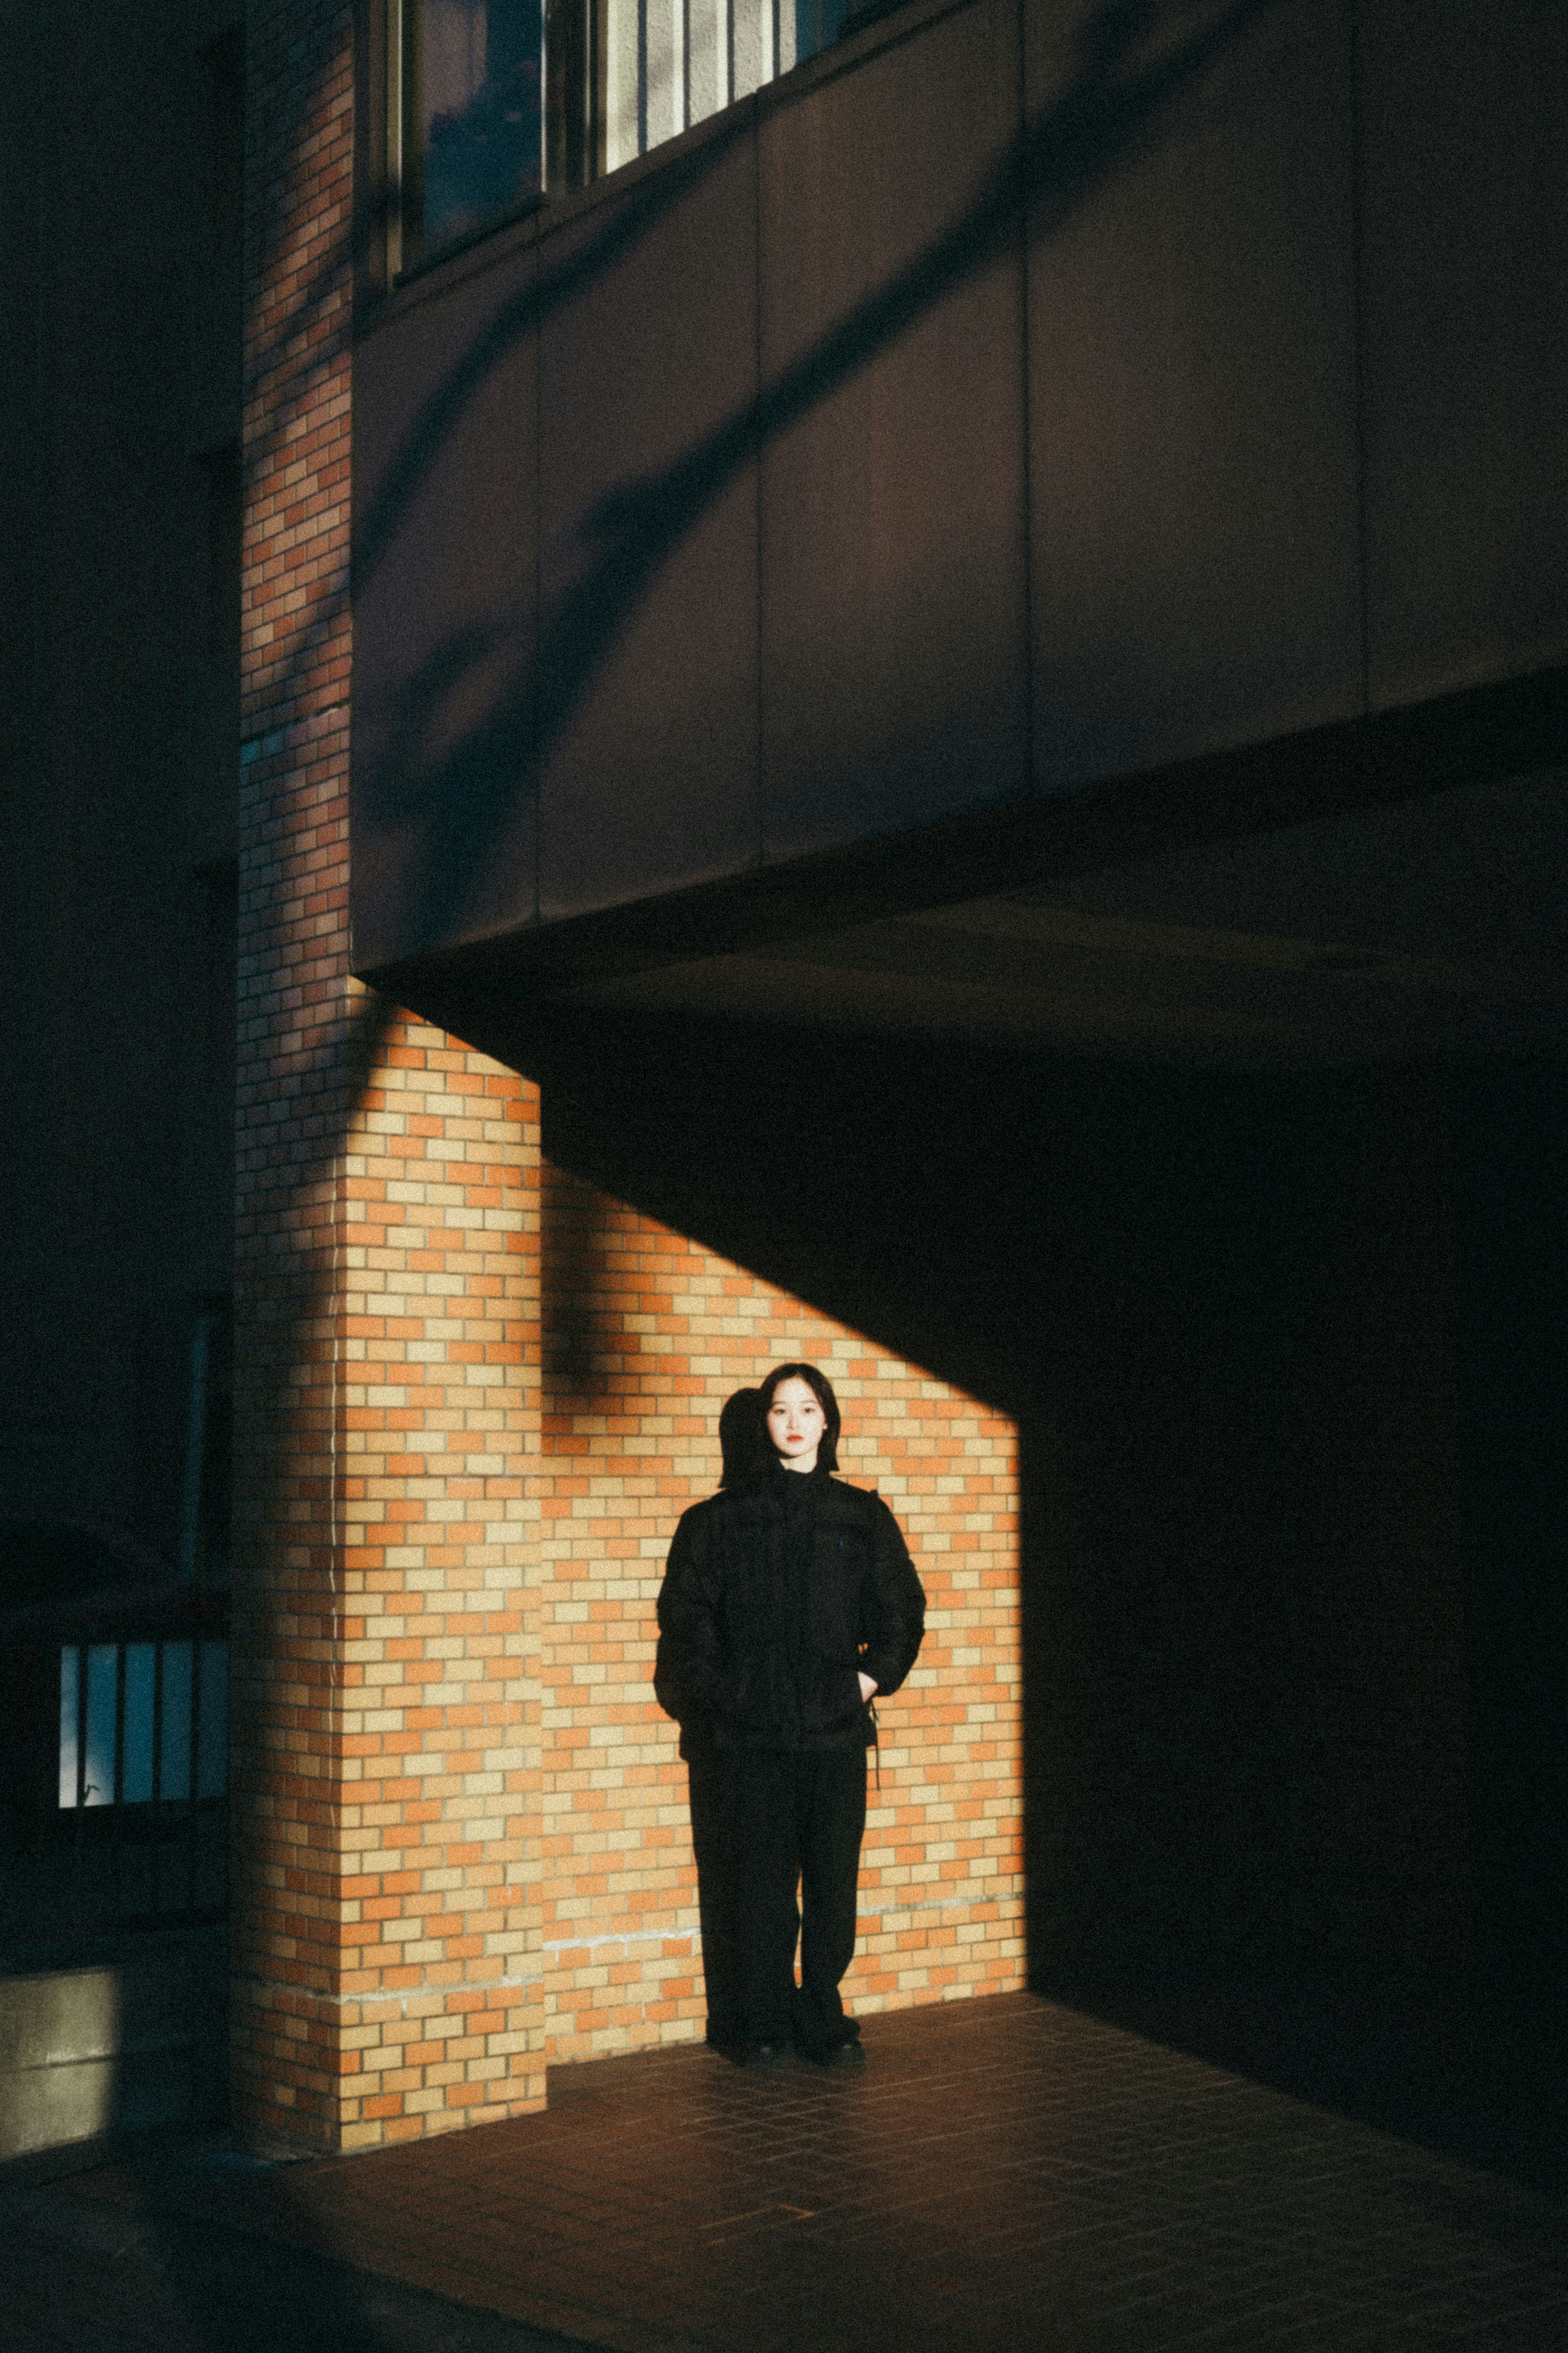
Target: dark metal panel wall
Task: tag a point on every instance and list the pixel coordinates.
(445, 521)
(893, 618)
(1192, 375)
(1465, 247)
(934, 385)
(648, 683)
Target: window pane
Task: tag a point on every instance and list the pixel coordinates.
(70, 1671)
(102, 1681)
(619, 77)
(174, 1763)
(625, 75)
(818, 24)
(136, 1757)
(471, 73)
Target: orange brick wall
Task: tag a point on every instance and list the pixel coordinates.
(388, 1967)
(644, 1336)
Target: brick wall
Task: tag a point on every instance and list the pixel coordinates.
(386, 1983)
(644, 1336)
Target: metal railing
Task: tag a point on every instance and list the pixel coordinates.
(115, 1813)
(142, 1723)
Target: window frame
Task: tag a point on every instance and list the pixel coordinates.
(397, 248)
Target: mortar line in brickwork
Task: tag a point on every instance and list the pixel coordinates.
(380, 1995)
(595, 1941)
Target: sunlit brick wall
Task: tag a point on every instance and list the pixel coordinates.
(645, 1335)
(387, 1788)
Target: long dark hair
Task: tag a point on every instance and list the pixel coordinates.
(828, 1452)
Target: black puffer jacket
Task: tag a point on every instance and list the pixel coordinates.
(776, 1597)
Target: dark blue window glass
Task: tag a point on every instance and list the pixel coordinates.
(472, 143)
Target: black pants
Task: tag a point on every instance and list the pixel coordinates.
(715, 1892)
(794, 1817)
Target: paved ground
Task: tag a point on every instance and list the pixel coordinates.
(82, 2275)
(1002, 2174)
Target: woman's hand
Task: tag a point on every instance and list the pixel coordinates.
(867, 1685)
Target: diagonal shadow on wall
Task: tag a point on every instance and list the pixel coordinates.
(1132, 59)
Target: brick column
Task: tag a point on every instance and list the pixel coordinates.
(386, 1729)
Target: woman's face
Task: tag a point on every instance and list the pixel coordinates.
(795, 1424)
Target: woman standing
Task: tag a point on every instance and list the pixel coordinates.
(789, 1602)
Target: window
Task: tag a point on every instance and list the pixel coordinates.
(489, 101)
(625, 75)
(142, 1723)
(464, 144)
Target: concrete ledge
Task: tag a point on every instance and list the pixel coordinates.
(118, 2044)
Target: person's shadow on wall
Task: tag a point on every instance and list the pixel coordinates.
(743, 1444)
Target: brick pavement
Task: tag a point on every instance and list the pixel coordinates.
(1005, 2172)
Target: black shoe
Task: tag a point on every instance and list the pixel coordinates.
(838, 2055)
(766, 2054)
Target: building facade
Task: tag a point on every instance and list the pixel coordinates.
(901, 698)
